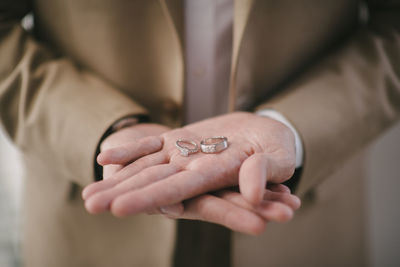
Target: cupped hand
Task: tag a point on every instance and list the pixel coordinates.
(229, 208)
(260, 150)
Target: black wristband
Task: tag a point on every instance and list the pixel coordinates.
(98, 169)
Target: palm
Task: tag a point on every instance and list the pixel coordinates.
(221, 168)
(245, 138)
(170, 178)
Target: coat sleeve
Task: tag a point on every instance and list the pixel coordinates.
(54, 112)
(349, 98)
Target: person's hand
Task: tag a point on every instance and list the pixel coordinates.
(264, 147)
(230, 209)
(225, 207)
(129, 135)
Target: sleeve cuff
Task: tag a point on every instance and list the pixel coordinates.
(273, 114)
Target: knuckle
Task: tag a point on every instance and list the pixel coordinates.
(287, 163)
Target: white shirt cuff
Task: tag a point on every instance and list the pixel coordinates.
(273, 114)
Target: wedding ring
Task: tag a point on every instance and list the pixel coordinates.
(186, 147)
(214, 144)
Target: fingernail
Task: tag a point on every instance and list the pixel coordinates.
(172, 210)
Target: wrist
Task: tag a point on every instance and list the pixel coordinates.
(275, 115)
(116, 126)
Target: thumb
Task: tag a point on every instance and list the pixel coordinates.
(110, 170)
(257, 170)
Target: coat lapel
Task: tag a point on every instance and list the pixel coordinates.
(174, 10)
(242, 10)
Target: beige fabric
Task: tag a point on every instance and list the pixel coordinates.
(89, 63)
(329, 230)
(348, 96)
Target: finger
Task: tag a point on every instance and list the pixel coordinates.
(110, 170)
(259, 168)
(281, 188)
(210, 173)
(290, 200)
(278, 188)
(100, 201)
(253, 176)
(178, 187)
(128, 171)
(269, 210)
(216, 210)
(275, 211)
(173, 210)
(130, 152)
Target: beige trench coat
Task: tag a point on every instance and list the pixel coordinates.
(88, 63)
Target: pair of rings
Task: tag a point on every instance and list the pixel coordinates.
(208, 145)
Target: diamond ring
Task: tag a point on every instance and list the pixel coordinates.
(214, 144)
(186, 147)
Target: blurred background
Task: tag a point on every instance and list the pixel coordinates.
(10, 196)
(383, 222)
